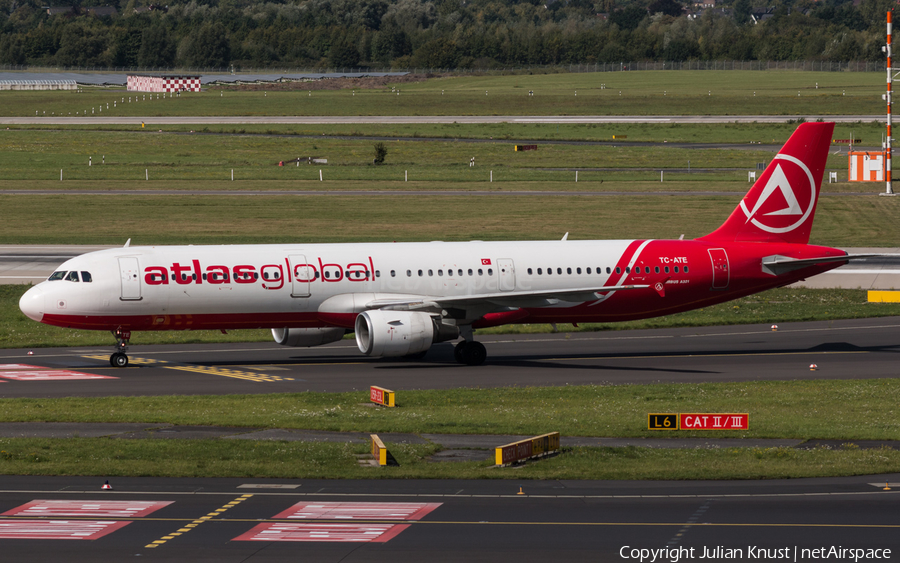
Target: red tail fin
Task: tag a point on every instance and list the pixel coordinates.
(782, 203)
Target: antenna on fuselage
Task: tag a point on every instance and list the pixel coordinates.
(127, 243)
(565, 236)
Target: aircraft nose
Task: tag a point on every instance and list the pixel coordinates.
(32, 304)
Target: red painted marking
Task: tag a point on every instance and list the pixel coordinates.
(358, 510)
(309, 532)
(18, 366)
(57, 529)
(50, 375)
(96, 508)
(714, 421)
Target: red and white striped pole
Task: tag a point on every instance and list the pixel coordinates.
(887, 148)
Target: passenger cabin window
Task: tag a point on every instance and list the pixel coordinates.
(56, 276)
(441, 273)
(490, 271)
(72, 277)
(529, 271)
(685, 270)
(589, 270)
(540, 271)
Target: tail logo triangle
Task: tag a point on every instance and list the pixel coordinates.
(792, 179)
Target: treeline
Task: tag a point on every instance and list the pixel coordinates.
(435, 34)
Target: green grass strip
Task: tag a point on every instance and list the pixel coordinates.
(820, 409)
(107, 458)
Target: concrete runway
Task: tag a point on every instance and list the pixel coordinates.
(253, 520)
(405, 119)
(848, 349)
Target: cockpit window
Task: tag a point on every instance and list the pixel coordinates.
(86, 277)
(56, 276)
(73, 277)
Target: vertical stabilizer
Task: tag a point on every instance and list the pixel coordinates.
(781, 205)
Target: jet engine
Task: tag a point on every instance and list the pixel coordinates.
(307, 337)
(400, 333)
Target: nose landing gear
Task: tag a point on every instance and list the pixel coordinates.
(119, 359)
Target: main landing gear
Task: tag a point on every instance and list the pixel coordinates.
(470, 352)
(119, 359)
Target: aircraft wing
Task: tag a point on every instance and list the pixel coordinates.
(501, 299)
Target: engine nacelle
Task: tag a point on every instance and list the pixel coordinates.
(307, 337)
(399, 333)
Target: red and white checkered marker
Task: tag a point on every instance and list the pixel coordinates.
(106, 486)
(813, 367)
(58, 529)
(774, 328)
(52, 508)
(30, 353)
(49, 375)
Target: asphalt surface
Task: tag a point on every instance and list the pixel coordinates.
(401, 119)
(847, 349)
(253, 520)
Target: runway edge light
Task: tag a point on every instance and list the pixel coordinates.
(106, 486)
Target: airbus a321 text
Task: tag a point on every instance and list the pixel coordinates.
(400, 298)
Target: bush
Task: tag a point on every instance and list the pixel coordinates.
(380, 153)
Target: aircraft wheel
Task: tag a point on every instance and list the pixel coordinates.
(118, 360)
(458, 351)
(470, 353)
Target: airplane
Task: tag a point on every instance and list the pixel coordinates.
(400, 298)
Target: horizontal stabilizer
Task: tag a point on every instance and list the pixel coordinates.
(777, 265)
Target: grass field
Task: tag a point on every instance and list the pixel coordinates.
(864, 409)
(28, 156)
(869, 133)
(107, 458)
(620, 93)
(196, 219)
